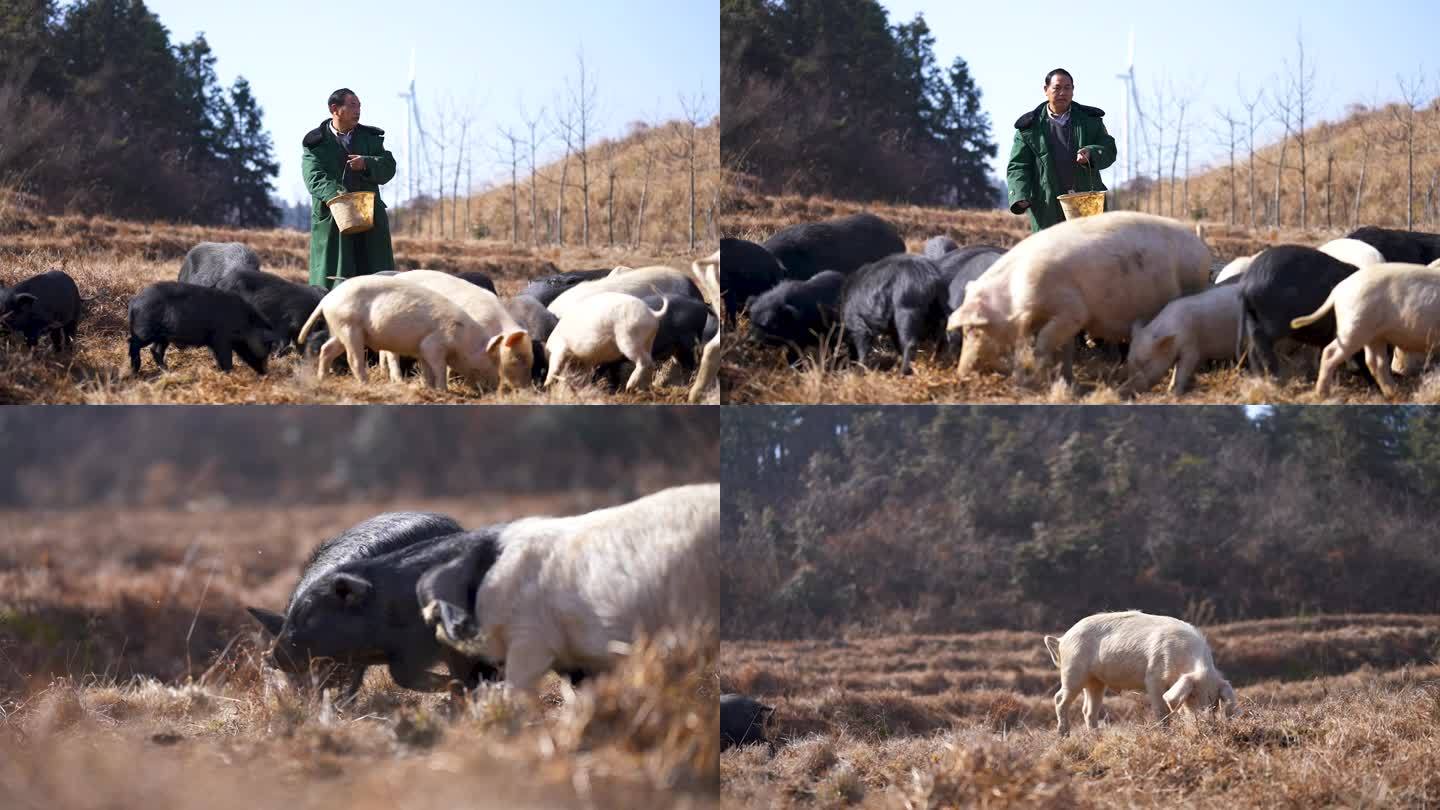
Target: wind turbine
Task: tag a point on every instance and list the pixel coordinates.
(1132, 98)
(412, 120)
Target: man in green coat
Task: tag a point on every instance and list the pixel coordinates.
(343, 155)
(1059, 147)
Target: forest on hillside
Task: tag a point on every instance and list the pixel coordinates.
(828, 97)
(105, 115)
(955, 519)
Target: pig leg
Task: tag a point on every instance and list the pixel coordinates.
(223, 356)
(557, 364)
(1063, 699)
(1155, 691)
(1376, 358)
(353, 339)
(392, 362)
(57, 338)
(526, 662)
(135, 345)
(1058, 335)
(1184, 370)
(1094, 698)
(432, 358)
(157, 352)
(1330, 359)
(332, 349)
(909, 327)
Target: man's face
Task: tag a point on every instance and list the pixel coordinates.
(348, 114)
(1059, 92)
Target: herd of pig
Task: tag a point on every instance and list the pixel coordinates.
(412, 590)
(1135, 280)
(560, 325)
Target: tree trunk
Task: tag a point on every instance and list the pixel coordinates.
(640, 208)
(691, 156)
(1329, 178)
(514, 199)
(610, 211)
(1360, 186)
(1279, 175)
(560, 201)
(1410, 175)
(1232, 174)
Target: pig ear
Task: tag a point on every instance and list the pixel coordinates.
(456, 621)
(1175, 698)
(23, 301)
(1227, 698)
(494, 345)
(513, 339)
(350, 588)
(1165, 343)
(268, 619)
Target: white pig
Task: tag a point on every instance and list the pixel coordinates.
(1097, 274)
(605, 327)
(1186, 333)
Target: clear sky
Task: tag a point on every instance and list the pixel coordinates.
(483, 56)
(1356, 49)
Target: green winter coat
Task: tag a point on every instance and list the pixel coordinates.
(332, 256)
(1031, 174)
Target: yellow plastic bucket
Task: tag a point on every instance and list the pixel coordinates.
(354, 211)
(1082, 203)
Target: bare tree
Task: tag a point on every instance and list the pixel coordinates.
(532, 125)
(1157, 122)
(610, 151)
(1403, 116)
(645, 135)
(686, 146)
(1300, 91)
(1229, 137)
(1181, 103)
(1250, 105)
(455, 184)
(565, 129)
(577, 126)
(1281, 108)
(512, 138)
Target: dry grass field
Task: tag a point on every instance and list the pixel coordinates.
(752, 374)
(1335, 711)
(111, 260)
(129, 677)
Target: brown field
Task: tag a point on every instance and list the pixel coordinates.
(1336, 711)
(111, 260)
(129, 677)
(754, 375)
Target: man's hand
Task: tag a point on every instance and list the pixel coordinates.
(1020, 206)
(1083, 157)
(356, 163)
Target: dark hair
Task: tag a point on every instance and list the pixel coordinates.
(337, 98)
(1048, 76)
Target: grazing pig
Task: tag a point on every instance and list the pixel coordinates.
(536, 319)
(1231, 272)
(568, 593)
(637, 282)
(47, 303)
(1097, 275)
(937, 246)
(355, 603)
(1352, 251)
(547, 288)
(680, 332)
(796, 314)
(389, 314)
(285, 304)
(743, 721)
(606, 327)
(1409, 247)
(844, 245)
(1187, 332)
(1283, 283)
(169, 312)
(1390, 304)
(508, 345)
(378, 535)
(208, 262)
(900, 296)
(1167, 659)
(747, 270)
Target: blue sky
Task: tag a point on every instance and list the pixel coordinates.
(482, 56)
(1356, 50)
